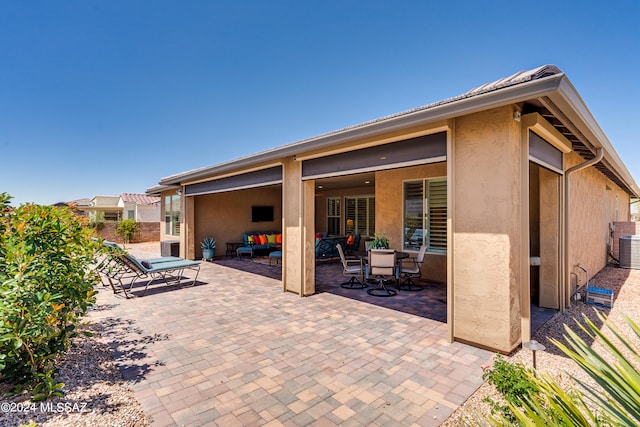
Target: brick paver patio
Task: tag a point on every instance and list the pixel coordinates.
(235, 350)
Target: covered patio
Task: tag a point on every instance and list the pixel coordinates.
(429, 303)
(236, 350)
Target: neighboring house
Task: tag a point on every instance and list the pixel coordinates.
(510, 186)
(140, 207)
(107, 205)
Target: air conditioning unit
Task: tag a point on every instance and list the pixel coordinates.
(630, 252)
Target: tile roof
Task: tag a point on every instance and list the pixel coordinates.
(80, 202)
(139, 199)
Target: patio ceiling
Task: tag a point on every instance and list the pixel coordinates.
(347, 181)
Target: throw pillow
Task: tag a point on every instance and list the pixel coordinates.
(250, 240)
(351, 240)
(146, 264)
(263, 239)
(271, 239)
(256, 239)
(279, 238)
(318, 235)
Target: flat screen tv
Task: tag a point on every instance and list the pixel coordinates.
(261, 213)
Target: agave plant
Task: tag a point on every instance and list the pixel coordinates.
(208, 243)
(619, 405)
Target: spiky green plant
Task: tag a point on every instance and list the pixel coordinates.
(619, 405)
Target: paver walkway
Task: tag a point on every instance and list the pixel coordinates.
(235, 350)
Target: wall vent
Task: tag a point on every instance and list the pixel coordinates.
(630, 252)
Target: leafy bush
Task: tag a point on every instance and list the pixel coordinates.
(127, 228)
(513, 381)
(46, 285)
(96, 220)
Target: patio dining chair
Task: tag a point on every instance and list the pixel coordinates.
(351, 268)
(382, 266)
(410, 269)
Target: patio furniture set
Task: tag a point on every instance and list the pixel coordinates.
(382, 267)
(271, 243)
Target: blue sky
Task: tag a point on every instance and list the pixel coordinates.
(105, 97)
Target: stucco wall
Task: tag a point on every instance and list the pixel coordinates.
(225, 216)
(486, 235)
(592, 209)
(148, 213)
(389, 211)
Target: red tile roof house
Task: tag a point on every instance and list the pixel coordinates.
(513, 173)
(141, 207)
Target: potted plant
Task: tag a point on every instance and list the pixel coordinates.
(379, 241)
(208, 248)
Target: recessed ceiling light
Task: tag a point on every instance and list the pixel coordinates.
(367, 182)
(383, 158)
(320, 187)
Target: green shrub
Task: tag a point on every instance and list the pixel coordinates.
(46, 285)
(513, 381)
(127, 228)
(615, 369)
(96, 220)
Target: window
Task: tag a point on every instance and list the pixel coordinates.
(362, 212)
(425, 215)
(333, 215)
(131, 214)
(172, 215)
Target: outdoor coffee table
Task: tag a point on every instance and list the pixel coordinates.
(232, 247)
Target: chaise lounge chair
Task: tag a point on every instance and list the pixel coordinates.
(123, 270)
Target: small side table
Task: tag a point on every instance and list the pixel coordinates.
(231, 248)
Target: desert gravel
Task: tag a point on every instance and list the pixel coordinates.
(626, 286)
(95, 393)
(95, 385)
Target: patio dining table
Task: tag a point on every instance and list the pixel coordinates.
(364, 257)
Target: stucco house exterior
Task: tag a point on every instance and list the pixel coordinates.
(510, 186)
(140, 207)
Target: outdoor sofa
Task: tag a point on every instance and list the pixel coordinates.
(325, 247)
(260, 241)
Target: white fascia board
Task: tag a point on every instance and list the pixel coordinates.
(158, 189)
(569, 101)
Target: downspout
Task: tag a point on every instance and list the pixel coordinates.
(568, 172)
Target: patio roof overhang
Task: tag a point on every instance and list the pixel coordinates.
(158, 189)
(546, 90)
